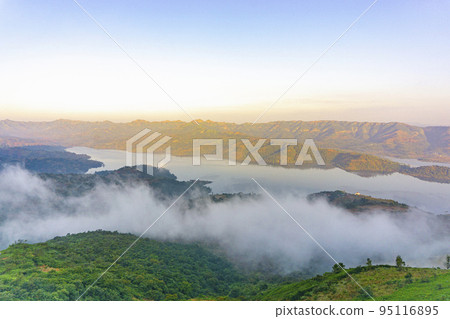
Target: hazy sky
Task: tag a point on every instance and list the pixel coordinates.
(225, 60)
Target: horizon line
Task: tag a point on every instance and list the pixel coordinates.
(212, 121)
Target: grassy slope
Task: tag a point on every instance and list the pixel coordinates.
(382, 282)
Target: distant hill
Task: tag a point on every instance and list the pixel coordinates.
(47, 159)
(8, 141)
(363, 204)
(387, 139)
(434, 173)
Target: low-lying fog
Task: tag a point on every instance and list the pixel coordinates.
(249, 231)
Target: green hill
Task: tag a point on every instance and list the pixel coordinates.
(64, 267)
(381, 282)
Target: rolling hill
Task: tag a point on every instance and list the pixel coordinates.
(381, 282)
(64, 267)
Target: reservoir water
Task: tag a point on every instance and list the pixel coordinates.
(428, 196)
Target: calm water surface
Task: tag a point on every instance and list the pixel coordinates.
(428, 196)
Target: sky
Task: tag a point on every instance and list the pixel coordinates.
(225, 60)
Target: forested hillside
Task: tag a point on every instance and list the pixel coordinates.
(64, 267)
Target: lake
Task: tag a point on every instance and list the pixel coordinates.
(428, 196)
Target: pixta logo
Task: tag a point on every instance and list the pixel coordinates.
(253, 151)
(141, 150)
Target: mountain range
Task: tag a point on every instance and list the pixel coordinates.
(383, 139)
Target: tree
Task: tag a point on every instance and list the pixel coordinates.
(399, 262)
(447, 262)
(338, 267)
(369, 263)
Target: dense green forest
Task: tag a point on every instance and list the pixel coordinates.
(64, 267)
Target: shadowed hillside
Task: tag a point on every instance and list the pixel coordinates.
(47, 159)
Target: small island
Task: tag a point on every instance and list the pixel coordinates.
(358, 203)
